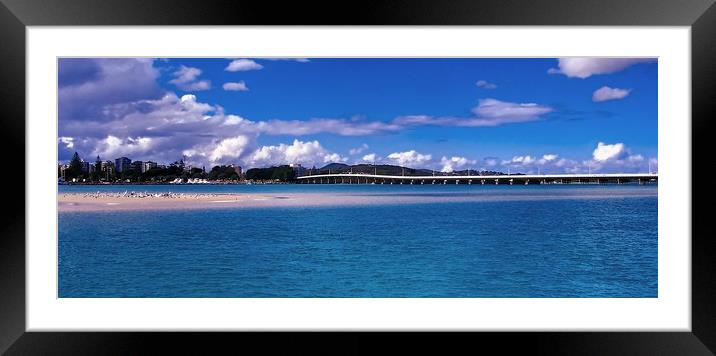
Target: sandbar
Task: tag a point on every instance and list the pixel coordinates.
(87, 202)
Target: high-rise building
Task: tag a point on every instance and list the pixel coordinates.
(148, 165)
(300, 171)
(107, 165)
(136, 166)
(62, 169)
(121, 164)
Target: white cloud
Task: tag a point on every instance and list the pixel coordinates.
(179, 124)
(547, 159)
(242, 65)
(407, 158)
(336, 126)
(196, 86)
(306, 153)
(231, 148)
(635, 158)
(357, 150)
(489, 112)
(606, 93)
(185, 78)
(185, 75)
(235, 86)
(497, 110)
(585, 67)
(523, 160)
(68, 141)
(333, 158)
(113, 146)
(453, 163)
(485, 84)
(615, 158)
(607, 158)
(605, 152)
(371, 157)
(234, 120)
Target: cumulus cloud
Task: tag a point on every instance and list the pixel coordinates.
(409, 158)
(453, 163)
(357, 150)
(235, 86)
(523, 160)
(242, 65)
(371, 157)
(605, 152)
(606, 158)
(485, 84)
(617, 157)
(585, 67)
(306, 153)
(532, 164)
(606, 93)
(113, 146)
(185, 75)
(547, 159)
(488, 112)
(186, 78)
(231, 120)
(229, 148)
(166, 128)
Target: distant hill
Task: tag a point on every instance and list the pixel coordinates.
(286, 173)
(334, 166)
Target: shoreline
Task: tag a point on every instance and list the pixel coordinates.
(95, 202)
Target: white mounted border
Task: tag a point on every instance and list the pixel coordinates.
(670, 311)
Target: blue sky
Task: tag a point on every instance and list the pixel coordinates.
(526, 115)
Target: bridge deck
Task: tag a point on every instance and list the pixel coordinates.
(522, 177)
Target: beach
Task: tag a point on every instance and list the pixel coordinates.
(128, 201)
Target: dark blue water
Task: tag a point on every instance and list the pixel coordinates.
(604, 247)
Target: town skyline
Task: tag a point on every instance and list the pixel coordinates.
(528, 115)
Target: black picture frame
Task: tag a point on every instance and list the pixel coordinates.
(16, 15)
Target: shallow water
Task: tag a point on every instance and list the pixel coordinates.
(570, 247)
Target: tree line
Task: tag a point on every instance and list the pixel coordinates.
(75, 171)
(281, 173)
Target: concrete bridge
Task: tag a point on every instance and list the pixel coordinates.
(359, 178)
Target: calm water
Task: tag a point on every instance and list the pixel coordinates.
(536, 248)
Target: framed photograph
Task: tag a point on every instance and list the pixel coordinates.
(421, 168)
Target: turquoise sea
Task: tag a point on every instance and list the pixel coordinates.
(604, 246)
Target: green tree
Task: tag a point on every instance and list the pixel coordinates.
(75, 169)
(282, 173)
(223, 173)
